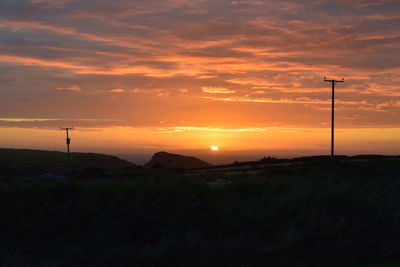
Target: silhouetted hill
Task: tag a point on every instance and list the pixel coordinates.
(272, 160)
(175, 161)
(28, 161)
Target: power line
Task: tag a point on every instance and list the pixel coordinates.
(68, 141)
(333, 82)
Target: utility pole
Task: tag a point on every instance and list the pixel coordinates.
(333, 82)
(68, 141)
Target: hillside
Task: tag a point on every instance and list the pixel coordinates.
(175, 161)
(271, 160)
(268, 163)
(341, 213)
(27, 161)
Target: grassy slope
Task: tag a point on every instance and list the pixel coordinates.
(27, 161)
(339, 214)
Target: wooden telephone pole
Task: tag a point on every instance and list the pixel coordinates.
(68, 141)
(333, 82)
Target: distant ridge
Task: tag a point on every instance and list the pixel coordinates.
(271, 160)
(175, 161)
(30, 161)
(45, 157)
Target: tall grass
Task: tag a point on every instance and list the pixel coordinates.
(322, 213)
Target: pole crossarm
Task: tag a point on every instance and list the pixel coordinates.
(334, 81)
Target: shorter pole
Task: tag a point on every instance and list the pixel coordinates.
(68, 141)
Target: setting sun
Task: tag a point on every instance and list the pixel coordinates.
(214, 148)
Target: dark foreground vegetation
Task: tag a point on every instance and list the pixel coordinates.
(323, 213)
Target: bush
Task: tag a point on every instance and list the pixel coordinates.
(92, 173)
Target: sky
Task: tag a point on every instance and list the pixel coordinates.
(142, 76)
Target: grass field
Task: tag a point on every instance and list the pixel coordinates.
(312, 214)
(25, 162)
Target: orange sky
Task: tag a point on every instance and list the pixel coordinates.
(184, 75)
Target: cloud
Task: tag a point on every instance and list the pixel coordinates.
(299, 100)
(56, 123)
(238, 53)
(210, 129)
(217, 90)
(117, 91)
(73, 88)
(51, 3)
(391, 104)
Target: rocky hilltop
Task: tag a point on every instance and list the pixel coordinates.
(175, 161)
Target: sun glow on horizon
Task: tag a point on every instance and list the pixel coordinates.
(214, 148)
